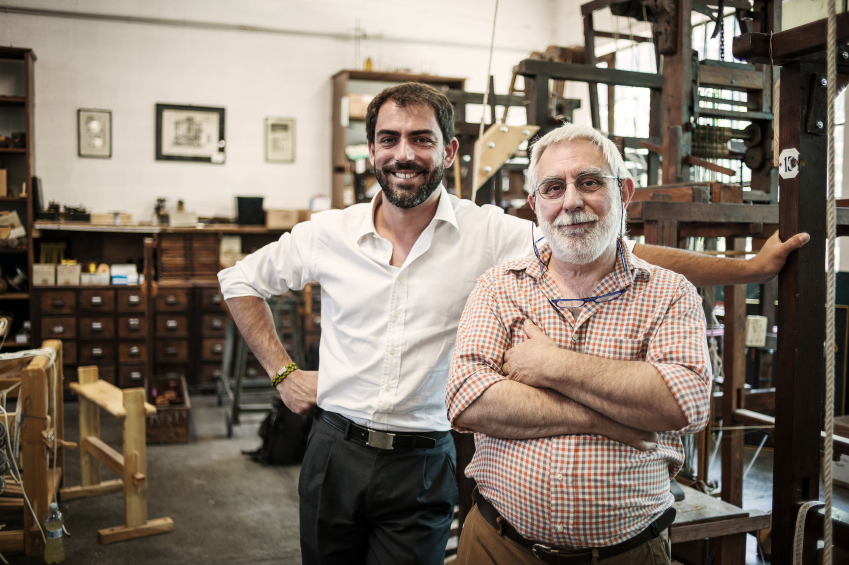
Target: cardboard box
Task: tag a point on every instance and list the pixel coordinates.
(94, 279)
(43, 274)
(109, 219)
(358, 105)
(281, 219)
(68, 275)
(4, 183)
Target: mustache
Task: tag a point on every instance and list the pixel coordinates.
(405, 166)
(574, 218)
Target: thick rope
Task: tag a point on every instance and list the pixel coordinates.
(488, 71)
(831, 77)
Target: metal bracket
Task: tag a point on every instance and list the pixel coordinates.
(818, 105)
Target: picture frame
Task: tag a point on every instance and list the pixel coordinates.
(190, 133)
(280, 140)
(94, 133)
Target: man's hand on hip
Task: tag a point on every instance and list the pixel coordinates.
(298, 391)
(535, 361)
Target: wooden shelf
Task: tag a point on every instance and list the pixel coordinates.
(13, 150)
(14, 296)
(234, 229)
(12, 101)
(13, 250)
(13, 198)
(15, 344)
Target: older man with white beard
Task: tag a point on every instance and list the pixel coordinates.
(578, 370)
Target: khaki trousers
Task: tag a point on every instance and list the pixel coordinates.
(480, 544)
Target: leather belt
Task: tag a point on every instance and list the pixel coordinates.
(377, 438)
(564, 556)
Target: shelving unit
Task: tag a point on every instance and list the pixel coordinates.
(17, 113)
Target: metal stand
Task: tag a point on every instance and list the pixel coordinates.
(232, 387)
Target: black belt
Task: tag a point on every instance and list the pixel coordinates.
(562, 556)
(376, 438)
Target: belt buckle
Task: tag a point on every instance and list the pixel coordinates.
(542, 552)
(380, 440)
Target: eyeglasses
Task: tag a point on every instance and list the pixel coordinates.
(555, 188)
(579, 302)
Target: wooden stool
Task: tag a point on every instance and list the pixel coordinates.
(127, 405)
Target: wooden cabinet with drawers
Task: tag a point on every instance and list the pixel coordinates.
(172, 313)
(104, 326)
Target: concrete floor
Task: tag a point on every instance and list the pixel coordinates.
(229, 510)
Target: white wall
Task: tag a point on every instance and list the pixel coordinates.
(128, 67)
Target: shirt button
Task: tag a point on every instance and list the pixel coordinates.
(558, 527)
(392, 351)
(377, 417)
(559, 477)
(387, 388)
(397, 314)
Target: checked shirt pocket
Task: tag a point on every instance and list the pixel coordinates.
(622, 349)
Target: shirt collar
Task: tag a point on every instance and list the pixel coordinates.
(444, 212)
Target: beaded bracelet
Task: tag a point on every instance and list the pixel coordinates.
(283, 373)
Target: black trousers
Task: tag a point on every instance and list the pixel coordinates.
(361, 504)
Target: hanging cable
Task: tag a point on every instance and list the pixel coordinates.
(488, 71)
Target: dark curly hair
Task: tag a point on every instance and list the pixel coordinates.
(409, 94)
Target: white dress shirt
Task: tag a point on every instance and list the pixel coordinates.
(387, 333)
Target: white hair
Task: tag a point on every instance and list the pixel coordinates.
(571, 132)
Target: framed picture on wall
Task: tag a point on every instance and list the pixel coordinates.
(280, 140)
(94, 133)
(189, 133)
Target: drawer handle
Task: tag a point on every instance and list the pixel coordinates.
(58, 329)
(217, 323)
(218, 349)
(97, 352)
(97, 326)
(216, 373)
(58, 302)
(135, 351)
(171, 324)
(134, 324)
(170, 351)
(171, 300)
(96, 300)
(216, 299)
(135, 376)
(134, 299)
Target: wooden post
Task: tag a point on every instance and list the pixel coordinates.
(33, 402)
(536, 102)
(135, 492)
(677, 96)
(801, 320)
(662, 232)
(589, 59)
(56, 382)
(89, 426)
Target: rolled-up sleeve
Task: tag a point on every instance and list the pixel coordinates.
(287, 264)
(679, 352)
(482, 341)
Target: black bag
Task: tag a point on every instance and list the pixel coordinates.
(284, 436)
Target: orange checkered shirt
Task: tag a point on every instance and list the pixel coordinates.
(582, 490)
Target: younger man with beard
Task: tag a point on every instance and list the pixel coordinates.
(377, 483)
(614, 341)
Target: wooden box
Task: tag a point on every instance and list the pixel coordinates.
(281, 219)
(170, 424)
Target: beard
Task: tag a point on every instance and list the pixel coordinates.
(404, 197)
(585, 245)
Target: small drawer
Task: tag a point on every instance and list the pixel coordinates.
(96, 353)
(132, 325)
(167, 325)
(130, 351)
(171, 371)
(214, 324)
(210, 372)
(58, 328)
(172, 351)
(171, 299)
(106, 372)
(213, 349)
(99, 300)
(101, 327)
(211, 298)
(131, 300)
(69, 352)
(58, 302)
(131, 376)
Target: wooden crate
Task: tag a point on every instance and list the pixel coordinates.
(170, 424)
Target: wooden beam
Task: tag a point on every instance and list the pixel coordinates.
(791, 44)
(89, 427)
(690, 160)
(731, 79)
(757, 520)
(734, 364)
(700, 212)
(135, 493)
(105, 487)
(35, 458)
(677, 97)
(122, 533)
(11, 541)
(588, 73)
(104, 453)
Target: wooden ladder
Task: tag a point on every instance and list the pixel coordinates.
(127, 405)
